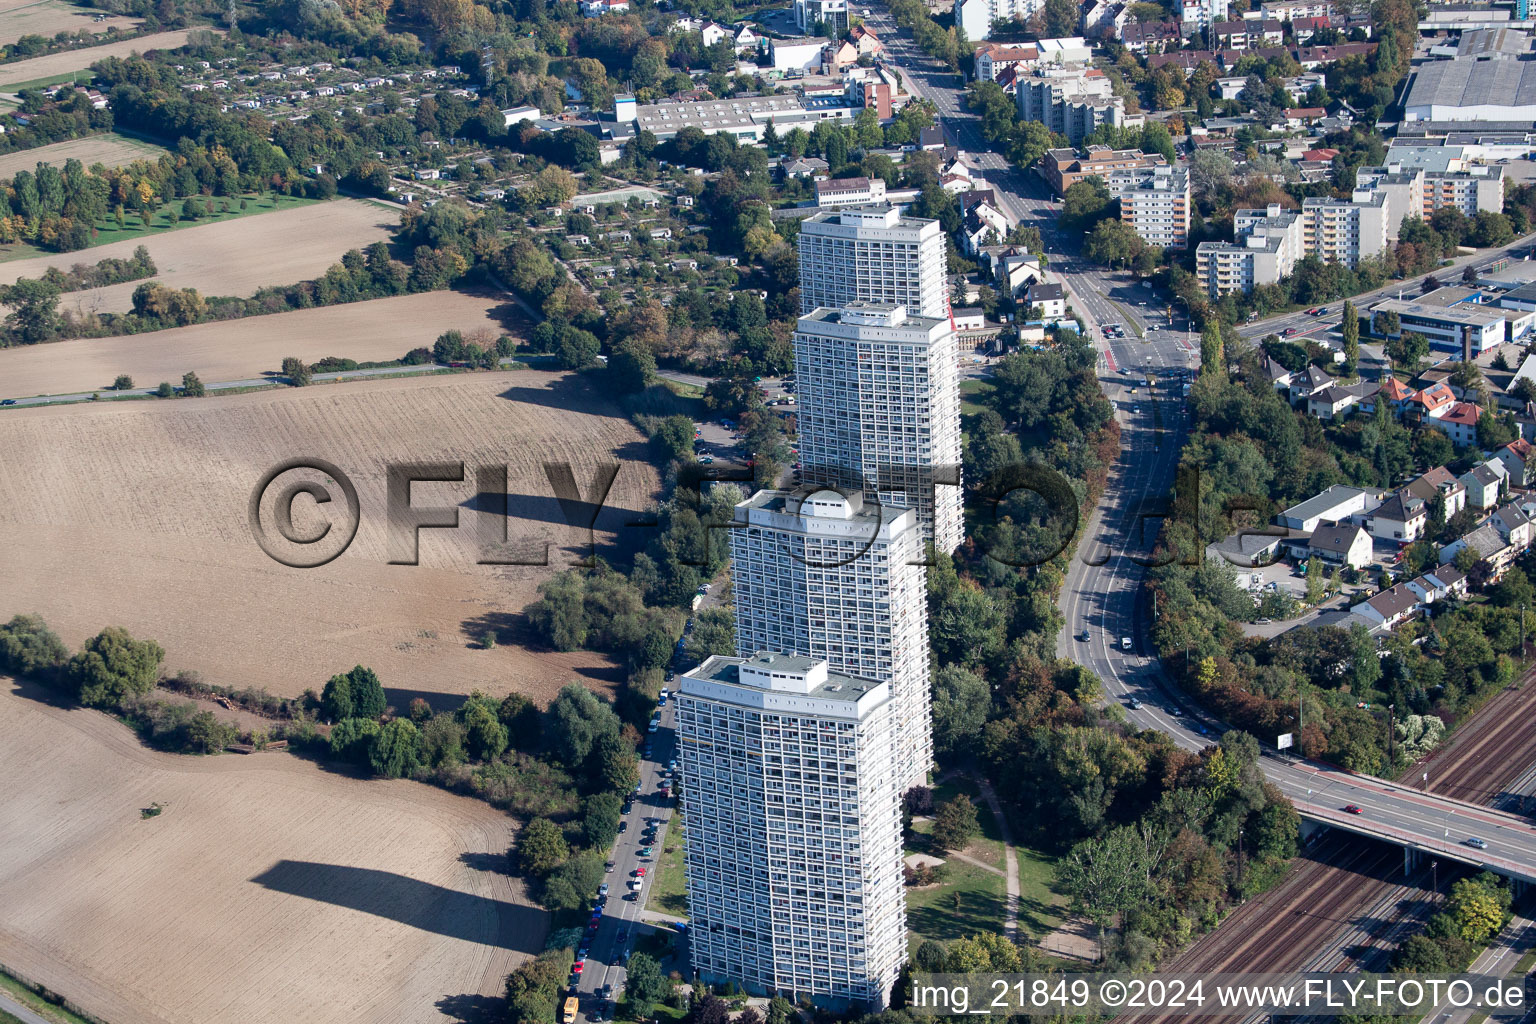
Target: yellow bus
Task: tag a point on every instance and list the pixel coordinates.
(568, 1015)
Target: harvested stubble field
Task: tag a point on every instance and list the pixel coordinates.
(109, 149)
(228, 257)
(78, 60)
(269, 890)
(136, 514)
(381, 329)
(48, 17)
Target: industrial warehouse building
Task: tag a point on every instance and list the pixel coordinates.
(1473, 90)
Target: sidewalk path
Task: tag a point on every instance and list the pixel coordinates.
(1010, 859)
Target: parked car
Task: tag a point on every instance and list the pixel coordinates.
(1125, 643)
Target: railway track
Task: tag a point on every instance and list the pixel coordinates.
(1346, 906)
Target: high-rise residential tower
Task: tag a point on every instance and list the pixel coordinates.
(879, 409)
(793, 824)
(872, 254)
(827, 576)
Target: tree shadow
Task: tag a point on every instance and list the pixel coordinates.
(34, 690)
(977, 912)
(417, 904)
(494, 862)
(473, 1009)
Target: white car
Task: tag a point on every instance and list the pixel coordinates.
(1125, 643)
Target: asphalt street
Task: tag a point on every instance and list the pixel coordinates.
(624, 919)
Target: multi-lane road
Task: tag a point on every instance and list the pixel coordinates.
(623, 919)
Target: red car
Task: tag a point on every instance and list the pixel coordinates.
(1290, 331)
(639, 872)
(1352, 809)
(576, 969)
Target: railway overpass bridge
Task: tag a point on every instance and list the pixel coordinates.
(1423, 824)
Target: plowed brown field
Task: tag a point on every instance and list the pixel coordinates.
(136, 514)
(268, 891)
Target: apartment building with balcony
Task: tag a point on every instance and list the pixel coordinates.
(1346, 231)
(1158, 208)
(1198, 14)
(879, 409)
(872, 254)
(792, 823)
(1418, 191)
(1071, 100)
(1119, 169)
(1268, 245)
(826, 575)
(977, 16)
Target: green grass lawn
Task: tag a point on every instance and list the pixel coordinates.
(1040, 906)
(76, 77)
(989, 845)
(970, 900)
(167, 218)
(971, 395)
(669, 891)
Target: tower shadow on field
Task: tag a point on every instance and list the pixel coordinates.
(417, 904)
(473, 1009)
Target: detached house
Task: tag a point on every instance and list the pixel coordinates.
(1515, 457)
(1049, 298)
(1333, 401)
(1513, 525)
(1390, 608)
(1401, 518)
(1308, 383)
(1484, 483)
(1279, 376)
(1439, 481)
(1345, 544)
(1459, 423)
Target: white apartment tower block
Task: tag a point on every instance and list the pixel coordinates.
(827, 576)
(792, 819)
(1339, 231)
(1194, 14)
(872, 254)
(977, 16)
(879, 410)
